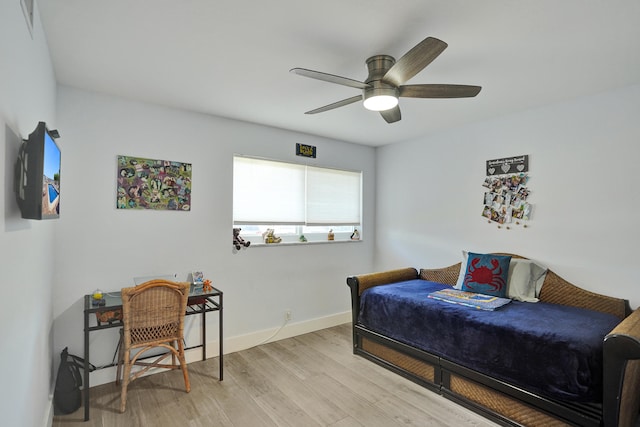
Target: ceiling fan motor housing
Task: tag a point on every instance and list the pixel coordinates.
(378, 66)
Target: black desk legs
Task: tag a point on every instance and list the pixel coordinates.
(204, 330)
(85, 384)
(220, 335)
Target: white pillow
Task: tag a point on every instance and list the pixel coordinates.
(525, 280)
(463, 270)
(540, 280)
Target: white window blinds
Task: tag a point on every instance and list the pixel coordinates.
(333, 197)
(269, 192)
(266, 192)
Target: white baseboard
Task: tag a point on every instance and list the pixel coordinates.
(242, 342)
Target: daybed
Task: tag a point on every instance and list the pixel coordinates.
(518, 365)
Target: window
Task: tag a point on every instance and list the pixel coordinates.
(294, 199)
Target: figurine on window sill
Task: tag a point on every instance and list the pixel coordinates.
(270, 237)
(355, 235)
(238, 241)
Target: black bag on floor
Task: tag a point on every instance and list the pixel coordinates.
(67, 396)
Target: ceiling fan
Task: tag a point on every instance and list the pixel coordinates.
(384, 84)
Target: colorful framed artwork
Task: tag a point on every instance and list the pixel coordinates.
(153, 184)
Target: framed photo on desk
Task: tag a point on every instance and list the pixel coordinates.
(197, 278)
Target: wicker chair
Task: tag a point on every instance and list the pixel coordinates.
(153, 317)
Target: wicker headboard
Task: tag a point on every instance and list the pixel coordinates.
(554, 290)
(558, 291)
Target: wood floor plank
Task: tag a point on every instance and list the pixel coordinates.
(347, 422)
(287, 351)
(265, 392)
(237, 404)
(320, 409)
(354, 371)
(357, 406)
(308, 380)
(333, 343)
(359, 382)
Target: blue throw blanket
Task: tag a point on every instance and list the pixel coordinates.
(548, 349)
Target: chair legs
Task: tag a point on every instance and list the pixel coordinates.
(120, 358)
(125, 363)
(122, 378)
(125, 381)
(183, 365)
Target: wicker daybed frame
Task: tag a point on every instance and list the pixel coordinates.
(504, 403)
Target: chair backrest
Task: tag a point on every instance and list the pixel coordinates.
(139, 280)
(153, 312)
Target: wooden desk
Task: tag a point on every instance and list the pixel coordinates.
(200, 302)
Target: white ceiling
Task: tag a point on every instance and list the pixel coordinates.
(232, 58)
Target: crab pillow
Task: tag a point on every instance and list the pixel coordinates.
(486, 274)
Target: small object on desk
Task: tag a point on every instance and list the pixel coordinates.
(197, 277)
(97, 298)
(206, 285)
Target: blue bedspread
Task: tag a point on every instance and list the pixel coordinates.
(548, 349)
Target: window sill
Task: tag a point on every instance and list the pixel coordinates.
(316, 242)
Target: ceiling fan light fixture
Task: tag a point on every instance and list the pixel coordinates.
(380, 98)
(380, 102)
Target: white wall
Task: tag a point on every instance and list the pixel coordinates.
(99, 246)
(583, 159)
(27, 96)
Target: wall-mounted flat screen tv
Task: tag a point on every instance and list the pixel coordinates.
(38, 175)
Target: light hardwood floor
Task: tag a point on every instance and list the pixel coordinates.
(309, 380)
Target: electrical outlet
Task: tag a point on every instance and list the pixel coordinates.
(287, 315)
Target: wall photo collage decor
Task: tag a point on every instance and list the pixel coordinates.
(506, 193)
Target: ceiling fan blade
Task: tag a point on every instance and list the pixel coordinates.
(329, 78)
(414, 61)
(439, 91)
(391, 116)
(336, 105)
